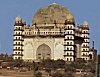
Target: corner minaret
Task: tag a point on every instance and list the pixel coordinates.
(17, 46)
(69, 39)
(85, 44)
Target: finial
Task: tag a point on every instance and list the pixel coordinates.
(93, 44)
(54, 2)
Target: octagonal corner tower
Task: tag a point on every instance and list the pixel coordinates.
(51, 13)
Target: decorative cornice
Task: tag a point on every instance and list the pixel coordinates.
(65, 55)
(17, 54)
(17, 35)
(18, 40)
(18, 30)
(18, 24)
(68, 39)
(67, 50)
(18, 44)
(68, 45)
(17, 49)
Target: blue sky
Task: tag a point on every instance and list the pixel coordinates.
(83, 10)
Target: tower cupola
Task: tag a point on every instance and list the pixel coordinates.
(18, 19)
(85, 24)
(70, 19)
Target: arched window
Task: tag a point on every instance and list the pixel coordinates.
(19, 37)
(15, 57)
(19, 33)
(19, 58)
(90, 56)
(70, 43)
(70, 27)
(19, 28)
(18, 42)
(18, 52)
(70, 59)
(70, 32)
(18, 47)
(67, 59)
(67, 53)
(67, 43)
(83, 54)
(83, 45)
(67, 48)
(71, 48)
(70, 53)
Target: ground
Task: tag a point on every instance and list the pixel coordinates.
(13, 73)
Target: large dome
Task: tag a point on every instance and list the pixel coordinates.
(50, 14)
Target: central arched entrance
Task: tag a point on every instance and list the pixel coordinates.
(43, 52)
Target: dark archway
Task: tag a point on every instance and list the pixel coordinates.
(43, 52)
(90, 56)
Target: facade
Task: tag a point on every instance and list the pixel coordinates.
(53, 35)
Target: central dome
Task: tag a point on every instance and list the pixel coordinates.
(50, 14)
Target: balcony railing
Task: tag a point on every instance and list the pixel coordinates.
(18, 44)
(17, 54)
(17, 49)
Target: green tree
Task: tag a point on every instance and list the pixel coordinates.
(38, 74)
(57, 74)
(68, 75)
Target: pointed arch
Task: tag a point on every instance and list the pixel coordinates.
(43, 52)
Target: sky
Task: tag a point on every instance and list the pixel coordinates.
(83, 10)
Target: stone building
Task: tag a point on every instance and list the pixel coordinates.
(52, 35)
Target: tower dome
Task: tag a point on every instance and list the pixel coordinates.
(70, 17)
(18, 19)
(51, 13)
(85, 23)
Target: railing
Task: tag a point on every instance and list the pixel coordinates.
(17, 49)
(18, 44)
(18, 54)
(43, 33)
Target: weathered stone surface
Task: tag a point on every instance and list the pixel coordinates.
(51, 13)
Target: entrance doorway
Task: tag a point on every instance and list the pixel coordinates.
(43, 52)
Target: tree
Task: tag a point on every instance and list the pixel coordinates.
(57, 74)
(68, 75)
(88, 75)
(18, 63)
(38, 74)
(6, 57)
(70, 68)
